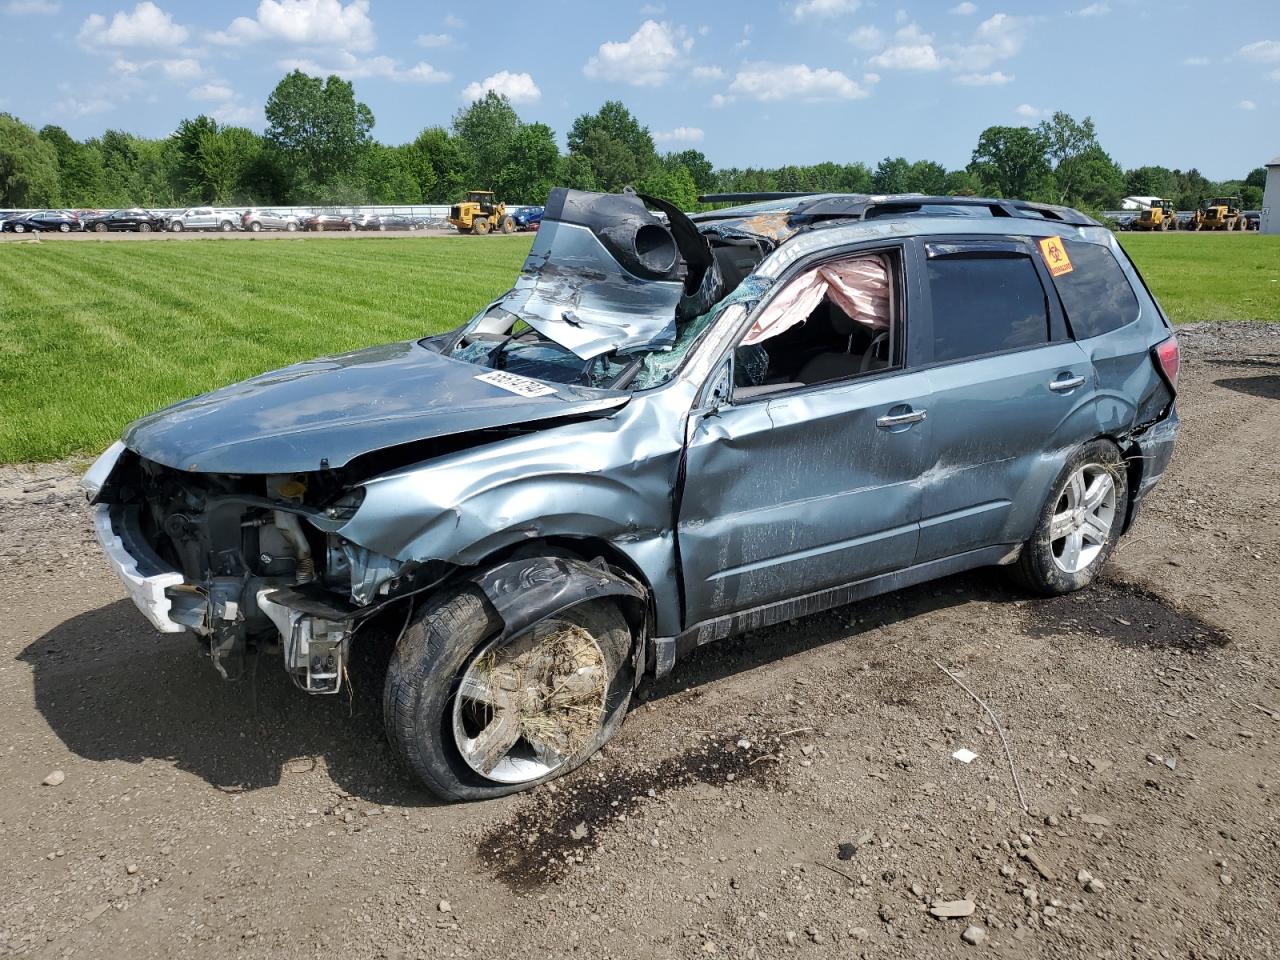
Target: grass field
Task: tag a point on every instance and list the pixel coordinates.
(93, 334)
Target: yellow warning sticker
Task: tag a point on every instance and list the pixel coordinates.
(1055, 256)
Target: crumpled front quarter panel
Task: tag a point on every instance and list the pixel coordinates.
(611, 478)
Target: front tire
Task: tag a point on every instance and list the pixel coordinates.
(291, 227)
(1079, 524)
(144, 228)
(475, 716)
(255, 227)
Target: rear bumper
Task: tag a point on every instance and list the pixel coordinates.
(1155, 450)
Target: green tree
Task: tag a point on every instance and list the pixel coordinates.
(386, 176)
(435, 149)
(928, 177)
(673, 184)
(1257, 178)
(532, 162)
(576, 173)
(891, 175)
(1098, 182)
(961, 183)
(618, 148)
(699, 167)
(1012, 162)
(485, 131)
(79, 168)
(1071, 147)
(28, 166)
(318, 126)
(225, 160)
(1150, 182)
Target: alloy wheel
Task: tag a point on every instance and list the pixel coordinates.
(1082, 517)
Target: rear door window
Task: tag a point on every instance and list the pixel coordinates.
(1095, 294)
(985, 303)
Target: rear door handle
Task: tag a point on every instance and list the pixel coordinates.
(901, 419)
(1068, 384)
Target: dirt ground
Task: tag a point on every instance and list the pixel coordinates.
(788, 793)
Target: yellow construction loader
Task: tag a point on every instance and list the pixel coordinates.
(1160, 215)
(480, 214)
(1220, 213)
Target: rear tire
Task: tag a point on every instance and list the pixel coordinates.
(1079, 524)
(19, 228)
(144, 228)
(255, 227)
(64, 228)
(175, 227)
(99, 228)
(508, 225)
(226, 226)
(291, 227)
(439, 649)
(480, 227)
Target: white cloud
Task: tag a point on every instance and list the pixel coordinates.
(719, 100)
(313, 23)
(1246, 105)
(454, 23)
(653, 9)
(997, 38)
(912, 50)
(350, 67)
(212, 91)
(1195, 62)
(239, 114)
(186, 68)
(75, 107)
(746, 38)
(994, 79)
(704, 31)
(867, 38)
(1028, 111)
(1092, 10)
(44, 8)
(679, 135)
(1262, 51)
(822, 9)
(430, 40)
(146, 26)
(707, 73)
(871, 79)
(798, 81)
(516, 87)
(643, 60)
(965, 9)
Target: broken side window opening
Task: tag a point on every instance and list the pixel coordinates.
(832, 322)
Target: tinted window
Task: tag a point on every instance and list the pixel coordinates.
(1095, 294)
(984, 304)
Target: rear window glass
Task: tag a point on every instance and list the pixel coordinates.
(1095, 294)
(985, 304)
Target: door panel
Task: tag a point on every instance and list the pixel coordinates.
(1000, 435)
(788, 495)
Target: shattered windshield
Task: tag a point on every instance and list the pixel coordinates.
(611, 294)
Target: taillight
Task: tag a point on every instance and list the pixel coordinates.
(1167, 359)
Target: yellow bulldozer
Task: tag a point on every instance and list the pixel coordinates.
(1220, 213)
(481, 214)
(1160, 215)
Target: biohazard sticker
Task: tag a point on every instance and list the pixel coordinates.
(510, 382)
(1055, 256)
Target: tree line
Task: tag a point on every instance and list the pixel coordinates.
(318, 149)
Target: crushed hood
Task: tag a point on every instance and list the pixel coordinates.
(326, 412)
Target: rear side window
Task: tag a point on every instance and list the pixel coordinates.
(985, 304)
(1096, 294)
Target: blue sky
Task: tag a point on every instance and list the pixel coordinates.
(753, 82)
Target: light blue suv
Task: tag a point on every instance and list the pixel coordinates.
(670, 430)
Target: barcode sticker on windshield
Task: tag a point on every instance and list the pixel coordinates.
(523, 386)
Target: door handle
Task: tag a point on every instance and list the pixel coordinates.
(1069, 384)
(901, 419)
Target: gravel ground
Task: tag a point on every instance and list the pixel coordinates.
(792, 792)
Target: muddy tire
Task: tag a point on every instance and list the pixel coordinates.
(431, 718)
(480, 226)
(508, 225)
(1079, 524)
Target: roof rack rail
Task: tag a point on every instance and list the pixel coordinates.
(754, 197)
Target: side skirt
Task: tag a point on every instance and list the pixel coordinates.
(666, 650)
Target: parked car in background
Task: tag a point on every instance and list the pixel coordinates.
(328, 221)
(255, 220)
(671, 430)
(528, 218)
(42, 221)
(381, 221)
(141, 221)
(1252, 220)
(202, 218)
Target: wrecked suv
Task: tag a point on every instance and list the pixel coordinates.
(670, 430)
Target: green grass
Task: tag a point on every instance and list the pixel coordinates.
(93, 335)
(1210, 276)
